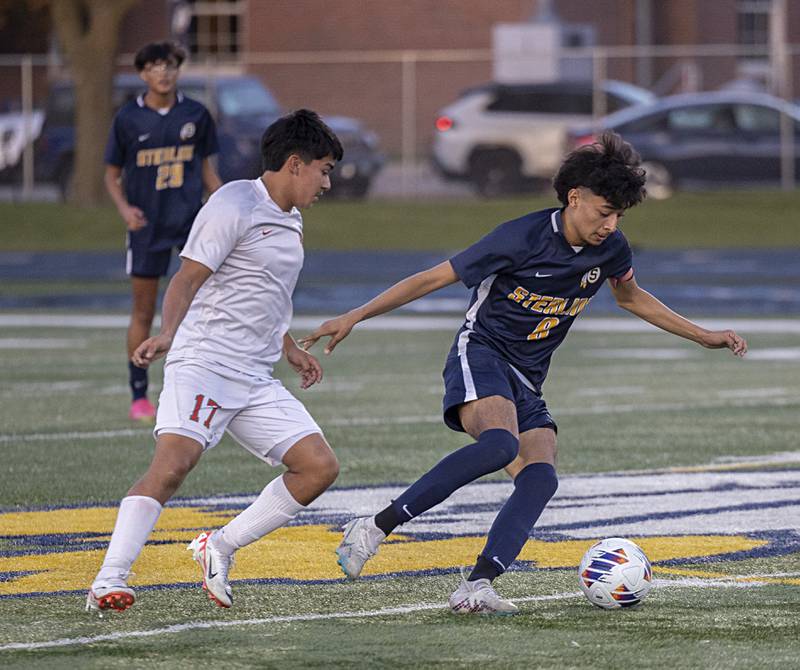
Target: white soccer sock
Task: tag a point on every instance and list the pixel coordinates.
(273, 508)
(135, 521)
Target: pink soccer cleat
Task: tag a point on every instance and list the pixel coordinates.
(142, 410)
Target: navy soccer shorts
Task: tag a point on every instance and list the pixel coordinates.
(481, 373)
(143, 260)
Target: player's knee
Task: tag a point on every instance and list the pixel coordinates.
(329, 468)
(539, 476)
(322, 466)
(550, 480)
(173, 476)
(504, 446)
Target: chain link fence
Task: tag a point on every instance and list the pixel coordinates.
(396, 94)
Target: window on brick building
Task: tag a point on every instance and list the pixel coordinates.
(215, 29)
(752, 25)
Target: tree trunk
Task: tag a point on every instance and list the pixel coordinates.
(88, 31)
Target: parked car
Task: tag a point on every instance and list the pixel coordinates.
(500, 136)
(242, 107)
(16, 130)
(701, 139)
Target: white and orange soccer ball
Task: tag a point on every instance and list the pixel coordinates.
(615, 573)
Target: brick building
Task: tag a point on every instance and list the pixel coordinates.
(387, 62)
(236, 35)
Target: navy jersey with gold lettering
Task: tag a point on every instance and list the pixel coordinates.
(161, 156)
(529, 286)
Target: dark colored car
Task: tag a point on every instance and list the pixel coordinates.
(703, 139)
(242, 107)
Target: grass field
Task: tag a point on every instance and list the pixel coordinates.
(719, 219)
(692, 453)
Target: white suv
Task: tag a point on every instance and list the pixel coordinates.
(501, 136)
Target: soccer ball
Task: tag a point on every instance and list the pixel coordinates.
(615, 573)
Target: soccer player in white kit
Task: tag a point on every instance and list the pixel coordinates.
(225, 324)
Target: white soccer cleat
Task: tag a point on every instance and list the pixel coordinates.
(215, 566)
(479, 597)
(359, 544)
(109, 596)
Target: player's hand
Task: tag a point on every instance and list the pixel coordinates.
(306, 365)
(337, 328)
(150, 350)
(725, 339)
(134, 218)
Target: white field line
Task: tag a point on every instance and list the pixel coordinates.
(697, 582)
(42, 343)
(393, 322)
(199, 625)
(789, 401)
(86, 435)
(734, 581)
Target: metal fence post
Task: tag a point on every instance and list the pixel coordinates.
(409, 118)
(781, 63)
(26, 71)
(599, 74)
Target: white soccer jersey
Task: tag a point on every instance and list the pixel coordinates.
(241, 313)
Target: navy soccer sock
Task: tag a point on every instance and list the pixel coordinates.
(137, 378)
(533, 488)
(494, 449)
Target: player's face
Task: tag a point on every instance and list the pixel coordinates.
(161, 76)
(312, 180)
(589, 218)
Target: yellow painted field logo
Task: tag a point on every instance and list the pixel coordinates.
(303, 553)
(60, 550)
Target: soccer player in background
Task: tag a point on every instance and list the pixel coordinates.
(160, 149)
(531, 278)
(225, 324)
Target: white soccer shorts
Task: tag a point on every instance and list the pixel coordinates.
(202, 404)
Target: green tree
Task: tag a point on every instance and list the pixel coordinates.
(88, 32)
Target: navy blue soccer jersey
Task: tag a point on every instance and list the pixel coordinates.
(529, 286)
(162, 160)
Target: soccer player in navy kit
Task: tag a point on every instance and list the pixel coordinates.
(159, 147)
(531, 278)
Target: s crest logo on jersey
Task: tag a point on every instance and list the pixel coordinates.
(590, 277)
(187, 130)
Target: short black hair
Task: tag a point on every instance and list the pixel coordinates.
(156, 51)
(303, 133)
(610, 168)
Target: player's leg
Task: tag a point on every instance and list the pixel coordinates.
(277, 430)
(475, 594)
(477, 386)
(145, 269)
(492, 422)
(311, 467)
(144, 292)
(535, 483)
(174, 457)
(184, 429)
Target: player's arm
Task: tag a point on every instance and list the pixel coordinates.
(630, 296)
(133, 216)
(179, 295)
(211, 180)
(403, 292)
(303, 363)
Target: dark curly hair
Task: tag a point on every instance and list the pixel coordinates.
(610, 168)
